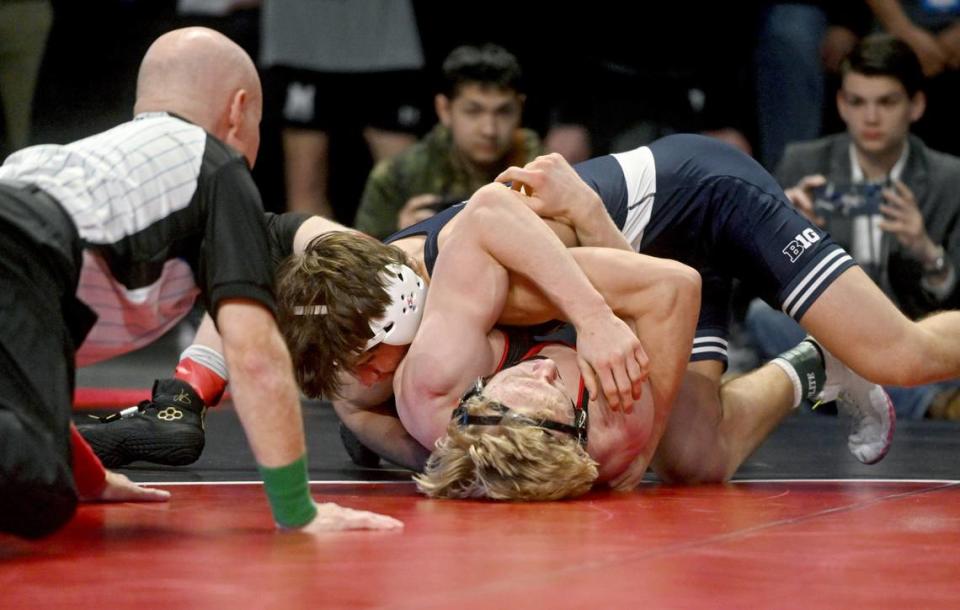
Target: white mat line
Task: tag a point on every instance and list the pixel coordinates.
(752, 481)
(845, 481)
(185, 483)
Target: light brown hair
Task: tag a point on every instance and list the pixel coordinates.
(340, 272)
(505, 462)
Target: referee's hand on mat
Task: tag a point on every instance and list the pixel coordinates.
(121, 489)
(333, 517)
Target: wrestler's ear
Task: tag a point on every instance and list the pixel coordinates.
(441, 104)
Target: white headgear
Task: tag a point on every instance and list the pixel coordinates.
(400, 322)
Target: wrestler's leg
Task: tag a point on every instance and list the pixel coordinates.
(715, 427)
(858, 324)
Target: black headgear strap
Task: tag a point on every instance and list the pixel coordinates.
(460, 415)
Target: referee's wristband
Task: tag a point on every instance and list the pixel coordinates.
(288, 489)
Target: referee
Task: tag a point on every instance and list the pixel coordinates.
(105, 243)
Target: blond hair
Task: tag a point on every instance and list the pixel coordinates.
(340, 272)
(509, 461)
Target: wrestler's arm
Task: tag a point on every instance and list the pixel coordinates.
(662, 300)
(316, 226)
(664, 315)
(379, 429)
(451, 348)
(557, 192)
(611, 358)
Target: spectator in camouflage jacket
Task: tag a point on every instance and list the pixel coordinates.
(479, 136)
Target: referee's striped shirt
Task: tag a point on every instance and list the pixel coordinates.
(165, 212)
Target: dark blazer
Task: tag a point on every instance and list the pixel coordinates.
(934, 178)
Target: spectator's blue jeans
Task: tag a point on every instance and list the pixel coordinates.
(789, 77)
(773, 332)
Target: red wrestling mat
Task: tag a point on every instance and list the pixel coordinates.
(822, 544)
(102, 398)
(112, 398)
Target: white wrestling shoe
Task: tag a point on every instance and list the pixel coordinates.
(873, 418)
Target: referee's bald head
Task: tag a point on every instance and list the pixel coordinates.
(206, 78)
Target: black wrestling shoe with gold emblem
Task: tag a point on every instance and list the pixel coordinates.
(168, 429)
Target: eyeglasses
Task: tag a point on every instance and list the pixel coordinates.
(460, 415)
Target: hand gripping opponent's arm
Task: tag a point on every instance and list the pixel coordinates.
(499, 225)
(660, 299)
(556, 192)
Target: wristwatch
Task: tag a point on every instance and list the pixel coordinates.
(937, 265)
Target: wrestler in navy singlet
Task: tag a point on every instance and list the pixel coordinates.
(702, 202)
(430, 229)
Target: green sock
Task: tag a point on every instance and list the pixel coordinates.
(803, 364)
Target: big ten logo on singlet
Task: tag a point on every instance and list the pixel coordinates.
(800, 243)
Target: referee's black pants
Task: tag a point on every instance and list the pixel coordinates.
(37, 491)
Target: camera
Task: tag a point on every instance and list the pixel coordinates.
(848, 200)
